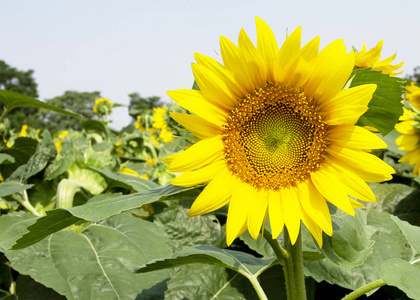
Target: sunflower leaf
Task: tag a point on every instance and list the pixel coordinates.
(97, 209)
(102, 257)
(350, 243)
(385, 108)
(389, 243)
(403, 275)
(243, 263)
(411, 233)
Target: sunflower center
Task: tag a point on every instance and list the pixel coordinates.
(274, 138)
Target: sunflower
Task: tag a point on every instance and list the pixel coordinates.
(413, 94)
(277, 134)
(370, 59)
(410, 138)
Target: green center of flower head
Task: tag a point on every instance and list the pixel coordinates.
(274, 138)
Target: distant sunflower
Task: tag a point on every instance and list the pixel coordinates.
(410, 138)
(277, 134)
(370, 59)
(413, 94)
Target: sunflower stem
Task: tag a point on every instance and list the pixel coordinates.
(364, 289)
(281, 254)
(258, 289)
(293, 269)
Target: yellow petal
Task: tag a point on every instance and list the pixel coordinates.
(257, 213)
(365, 161)
(287, 58)
(315, 206)
(276, 213)
(202, 153)
(348, 105)
(227, 76)
(216, 194)
(242, 199)
(408, 142)
(292, 212)
(267, 46)
(198, 126)
(213, 87)
(200, 176)
(313, 228)
(195, 102)
(355, 137)
(331, 188)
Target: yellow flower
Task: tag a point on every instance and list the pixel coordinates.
(413, 95)
(159, 117)
(154, 140)
(63, 134)
(278, 135)
(102, 106)
(58, 145)
(166, 135)
(138, 124)
(410, 138)
(23, 131)
(7, 143)
(150, 162)
(370, 59)
(134, 173)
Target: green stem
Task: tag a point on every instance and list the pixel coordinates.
(5, 112)
(281, 254)
(258, 289)
(293, 269)
(365, 289)
(26, 204)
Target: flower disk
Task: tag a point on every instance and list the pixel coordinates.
(274, 138)
(277, 135)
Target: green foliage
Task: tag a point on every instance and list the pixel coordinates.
(140, 105)
(79, 102)
(385, 107)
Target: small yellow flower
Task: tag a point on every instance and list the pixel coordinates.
(103, 106)
(370, 59)
(138, 124)
(23, 131)
(7, 143)
(133, 173)
(150, 162)
(154, 140)
(166, 135)
(58, 145)
(63, 134)
(410, 138)
(413, 95)
(159, 117)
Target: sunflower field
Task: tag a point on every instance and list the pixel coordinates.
(287, 171)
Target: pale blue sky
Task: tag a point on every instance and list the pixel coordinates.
(120, 47)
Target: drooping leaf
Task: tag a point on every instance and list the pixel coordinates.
(403, 275)
(385, 107)
(57, 168)
(389, 243)
(97, 209)
(11, 187)
(96, 263)
(13, 226)
(411, 233)
(243, 263)
(45, 151)
(14, 100)
(6, 158)
(388, 195)
(126, 181)
(350, 243)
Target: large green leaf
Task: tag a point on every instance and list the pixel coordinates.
(389, 243)
(13, 226)
(350, 243)
(11, 187)
(385, 107)
(403, 275)
(126, 181)
(96, 209)
(98, 262)
(388, 195)
(243, 263)
(58, 167)
(6, 158)
(45, 151)
(21, 151)
(14, 100)
(411, 233)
